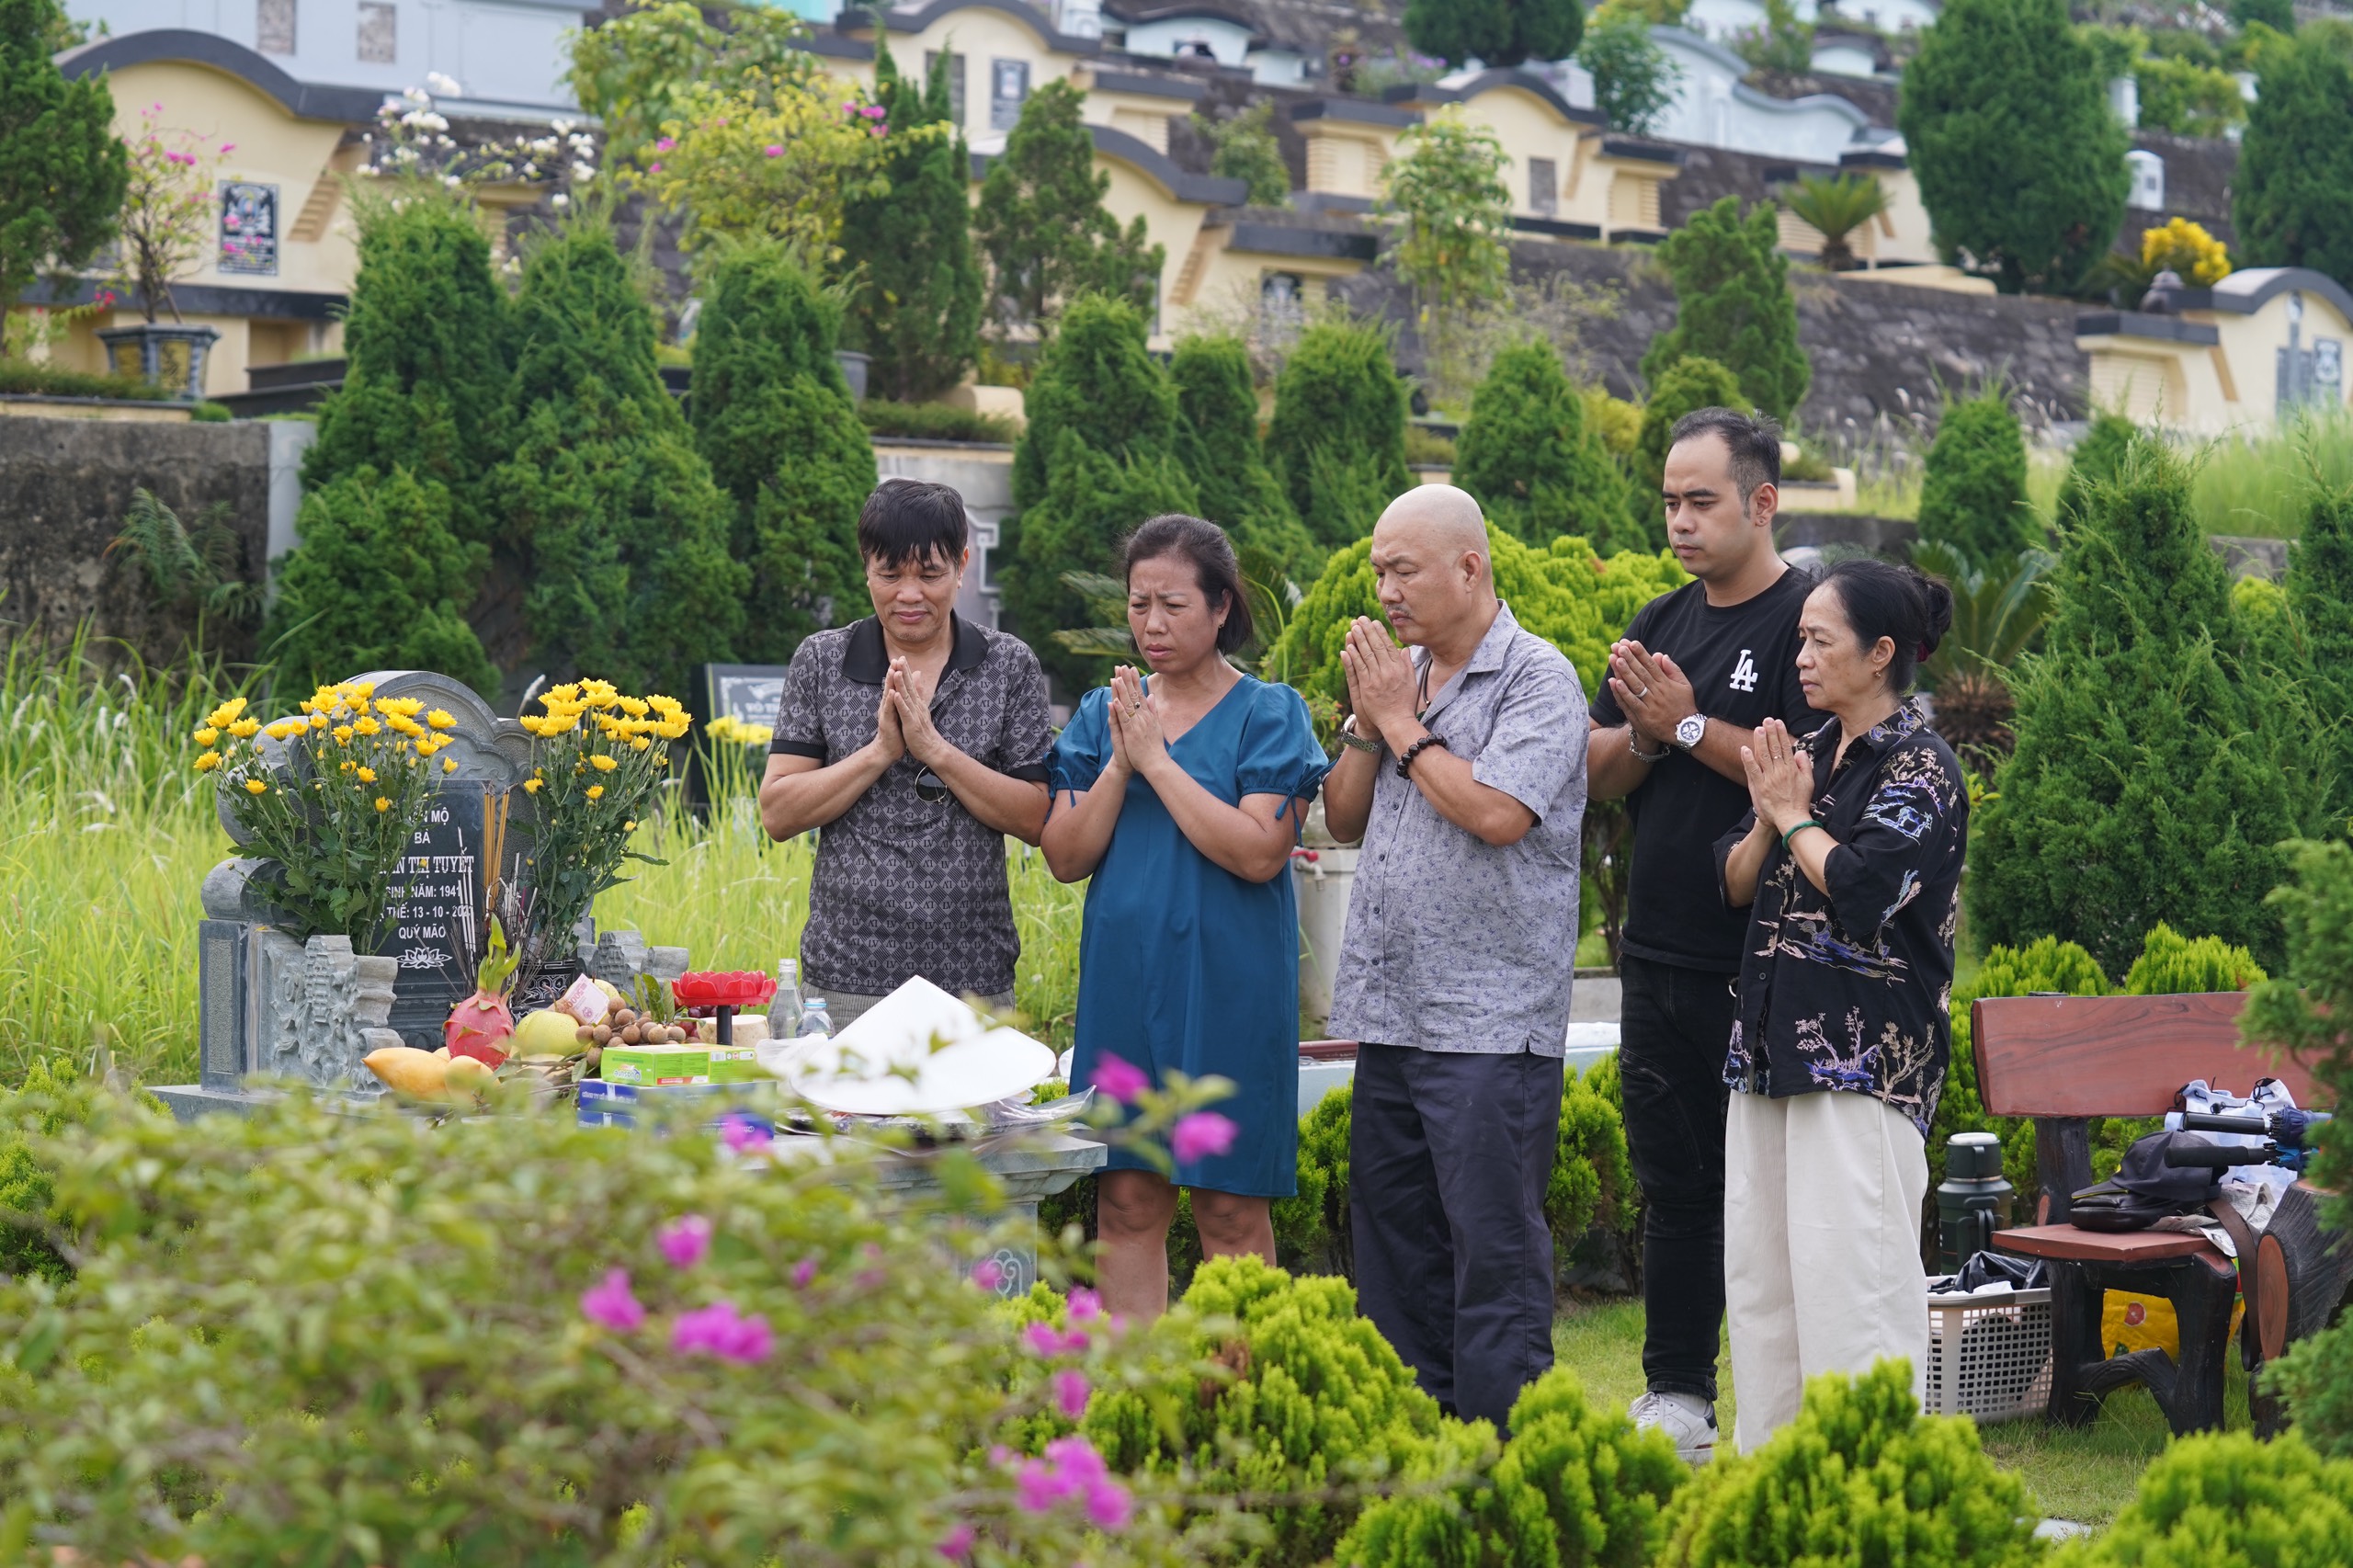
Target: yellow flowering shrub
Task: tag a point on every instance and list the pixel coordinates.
(597, 768)
(2188, 250)
(331, 795)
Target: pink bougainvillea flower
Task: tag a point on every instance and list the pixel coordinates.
(957, 1544)
(611, 1304)
(773, 150)
(1086, 1306)
(1047, 1340)
(741, 1133)
(1070, 1394)
(1200, 1135)
(1106, 1503)
(665, 144)
(227, 148)
(654, 168)
(1037, 1487)
(685, 1240)
(988, 1274)
(1123, 1081)
(720, 1330)
(803, 1272)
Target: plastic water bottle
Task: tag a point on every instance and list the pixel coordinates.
(784, 1008)
(815, 1020)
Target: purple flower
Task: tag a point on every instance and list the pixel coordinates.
(1086, 1306)
(1106, 1503)
(720, 1330)
(872, 111)
(686, 1239)
(1036, 1488)
(654, 168)
(1075, 1458)
(957, 1544)
(665, 144)
(988, 1274)
(1200, 1135)
(1070, 1394)
(773, 151)
(1123, 1081)
(803, 1272)
(1044, 1338)
(611, 1304)
(741, 1133)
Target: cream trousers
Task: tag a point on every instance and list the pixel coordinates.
(1822, 1247)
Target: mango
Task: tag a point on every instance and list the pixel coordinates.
(411, 1072)
(470, 1076)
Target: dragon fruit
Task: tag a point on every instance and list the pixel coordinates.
(480, 1025)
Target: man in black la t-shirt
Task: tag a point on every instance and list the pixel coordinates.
(1698, 670)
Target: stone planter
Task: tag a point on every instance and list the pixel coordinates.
(172, 356)
(854, 366)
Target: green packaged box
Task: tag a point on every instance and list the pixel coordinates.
(670, 1066)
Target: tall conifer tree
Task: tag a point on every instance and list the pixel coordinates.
(1732, 305)
(1536, 468)
(1973, 495)
(1041, 221)
(62, 169)
(1337, 440)
(1218, 445)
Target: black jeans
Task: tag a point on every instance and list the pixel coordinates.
(1449, 1155)
(1675, 1028)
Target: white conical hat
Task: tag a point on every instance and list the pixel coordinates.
(919, 1051)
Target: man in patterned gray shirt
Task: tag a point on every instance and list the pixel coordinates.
(917, 741)
(1464, 775)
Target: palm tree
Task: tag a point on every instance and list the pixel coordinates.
(1836, 207)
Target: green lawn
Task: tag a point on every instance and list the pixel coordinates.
(2081, 1473)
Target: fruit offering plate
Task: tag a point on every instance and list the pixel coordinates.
(992, 1121)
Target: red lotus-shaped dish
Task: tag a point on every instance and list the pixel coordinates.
(715, 988)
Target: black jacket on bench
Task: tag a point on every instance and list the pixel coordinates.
(1849, 991)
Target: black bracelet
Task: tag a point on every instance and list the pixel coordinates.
(1405, 763)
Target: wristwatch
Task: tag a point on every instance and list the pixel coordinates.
(1691, 730)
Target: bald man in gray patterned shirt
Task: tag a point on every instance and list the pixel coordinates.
(1464, 774)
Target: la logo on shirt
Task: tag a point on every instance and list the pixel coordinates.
(1743, 673)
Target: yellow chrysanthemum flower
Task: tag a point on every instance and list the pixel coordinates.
(256, 787)
(635, 706)
(382, 803)
(207, 762)
(602, 763)
(367, 776)
(639, 743)
(595, 791)
(245, 729)
(348, 765)
(531, 786)
(440, 719)
(449, 765)
(318, 721)
(629, 827)
(406, 706)
(206, 736)
(282, 729)
(367, 726)
(343, 734)
(362, 689)
(226, 714)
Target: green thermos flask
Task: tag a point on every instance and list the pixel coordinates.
(1974, 1201)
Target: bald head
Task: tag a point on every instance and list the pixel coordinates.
(1430, 563)
(1437, 518)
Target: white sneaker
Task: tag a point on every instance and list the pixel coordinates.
(1685, 1417)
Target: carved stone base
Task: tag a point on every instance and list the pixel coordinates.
(319, 1010)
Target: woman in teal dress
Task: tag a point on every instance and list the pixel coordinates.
(1182, 795)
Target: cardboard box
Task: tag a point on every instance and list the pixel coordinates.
(603, 1104)
(682, 1067)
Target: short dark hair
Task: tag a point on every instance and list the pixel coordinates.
(1754, 441)
(1903, 604)
(1215, 567)
(906, 519)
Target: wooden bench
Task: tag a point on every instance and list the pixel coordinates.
(2064, 1060)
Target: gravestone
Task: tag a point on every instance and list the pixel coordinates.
(272, 1006)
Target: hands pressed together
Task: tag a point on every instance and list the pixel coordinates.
(1651, 691)
(1139, 743)
(1381, 680)
(1781, 778)
(903, 725)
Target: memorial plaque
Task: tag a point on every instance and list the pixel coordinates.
(438, 916)
(750, 694)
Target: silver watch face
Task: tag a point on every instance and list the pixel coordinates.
(1689, 733)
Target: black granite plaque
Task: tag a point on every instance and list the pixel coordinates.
(437, 919)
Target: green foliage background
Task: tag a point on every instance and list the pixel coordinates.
(1041, 221)
(1732, 305)
(1534, 466)
(2296, 162)
(62, 170)
(1689, 384)
(1973, 495)
(1338, 439)
(1218, 445)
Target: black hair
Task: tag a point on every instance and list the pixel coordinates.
(905, 520)
(1754, 441)
(1214, 567)
(1901, 604)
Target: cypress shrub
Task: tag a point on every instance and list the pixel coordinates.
(1536, 470)
(1732, 304)
(1217, 446)
(1098, 457)
(1691, 383)
(774, 419)
(2144, 786)
(1575, 1487)
(2096, 460)
(2319, 582)
(916, 307)
(1043, 223)
(2230, 1500)
(2288, 197)
(1972, 495)
(631, 579)
(1859, 1476)
(376, 583)
(2174, 965)
(64, 171)
(429, 356)
(1338, 439)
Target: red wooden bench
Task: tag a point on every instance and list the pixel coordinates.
(2063, 1060)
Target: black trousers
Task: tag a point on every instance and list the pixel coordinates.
(1674, 1027)
(1449, 1155)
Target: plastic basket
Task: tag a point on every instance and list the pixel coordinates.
(1989, 1356)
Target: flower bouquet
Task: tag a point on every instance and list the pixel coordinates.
(600, 757)
(332, 795)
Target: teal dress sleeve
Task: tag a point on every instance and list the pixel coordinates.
(1279, 754)
(1083, 749)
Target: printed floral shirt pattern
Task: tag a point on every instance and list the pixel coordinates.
(1848, 990)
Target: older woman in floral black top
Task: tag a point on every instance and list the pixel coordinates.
(1850, 863)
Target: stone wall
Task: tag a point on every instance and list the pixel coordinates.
(65, 485)
(1877, 348)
